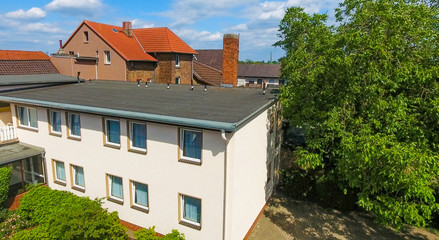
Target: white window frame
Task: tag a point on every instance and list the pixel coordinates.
(110, 181)
(56, 175)
(32, 171)
(106, 132)
(27, 109)
(70, 134)
(131, 129)
(74, 176)
(52, 131)
(133, 195)
(107, 55)
(198, 224)
(177, 60)
(196, 160)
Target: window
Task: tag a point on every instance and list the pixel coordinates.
(251, 81)
(190, 145)
(71, 53)
(78, 181)
(177, 80)
(33, 170)
(115, 188)
(107, 57)
(190, 211)
(55, 122)
(112, 132)
(74, 125)
(27, 117)
(271, 81)
(177, 60)
(60, 172)
(137, 136)
(139, 195)
(86, 36)
(259, 80)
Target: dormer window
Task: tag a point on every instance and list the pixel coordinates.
(86, 37)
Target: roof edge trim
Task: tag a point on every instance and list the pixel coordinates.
(188, 122)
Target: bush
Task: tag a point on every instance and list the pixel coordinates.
(63, 215)
(13, 224)
(5, 177)
(150, 234)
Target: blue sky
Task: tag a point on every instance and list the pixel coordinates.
(38, 25)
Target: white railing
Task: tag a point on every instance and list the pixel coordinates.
(8, 133)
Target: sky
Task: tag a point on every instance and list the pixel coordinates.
(38, 25)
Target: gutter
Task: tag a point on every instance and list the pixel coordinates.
(188, 122)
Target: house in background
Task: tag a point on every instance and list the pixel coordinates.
(220, 67)
(107, 52)
(205, 169)
(254, 75)
(24, 70)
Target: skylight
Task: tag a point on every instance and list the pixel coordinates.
(114, 30)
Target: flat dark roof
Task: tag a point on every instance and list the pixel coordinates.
(7, 80)
(217, 108)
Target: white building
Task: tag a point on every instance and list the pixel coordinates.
(176, 158)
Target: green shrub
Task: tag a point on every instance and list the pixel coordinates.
(63, 215)
(150, 234)
(5, 177)
(13, 224)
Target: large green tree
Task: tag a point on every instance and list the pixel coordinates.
(366, 92)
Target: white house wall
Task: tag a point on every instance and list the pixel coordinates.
(160, 169)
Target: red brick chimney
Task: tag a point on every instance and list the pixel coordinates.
(230, 59)
(127, 29)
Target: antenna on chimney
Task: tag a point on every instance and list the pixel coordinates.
(79, 73)
(167, 87)
(138, 82)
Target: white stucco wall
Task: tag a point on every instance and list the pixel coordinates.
(159, 168)
(247, 176)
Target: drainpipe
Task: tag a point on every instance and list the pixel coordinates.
(226, 141)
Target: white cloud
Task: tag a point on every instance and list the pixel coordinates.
(31, 14)
(190, 34)
(40, 27)
(240, 27)
(76, 7)
(138, 23)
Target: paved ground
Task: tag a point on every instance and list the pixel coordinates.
(285, 218)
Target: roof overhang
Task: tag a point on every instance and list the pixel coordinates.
(17, 151)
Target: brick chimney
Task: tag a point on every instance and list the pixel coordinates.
(230, 59)
(127, 29)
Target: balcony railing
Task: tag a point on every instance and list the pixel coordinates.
(8, 134)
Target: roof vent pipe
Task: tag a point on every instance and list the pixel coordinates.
(167, 87)
(146, 84)
(138, 82)
(205, 88)
(79, 73)
(263, 88)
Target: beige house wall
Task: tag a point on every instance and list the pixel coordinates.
(95, 47)
(5, 116)
(159, 168)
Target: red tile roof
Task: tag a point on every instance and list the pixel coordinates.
(22, 55)
(161, 40)
(127, 47)
(211, 57)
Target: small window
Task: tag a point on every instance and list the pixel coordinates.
(55, 122)
(259, 80)
(251, 81)
(115, 188)
(177, 80)
(107, 57)
(271, 81)
(139, 195)
(137, 136)
(190, 145)
(114, 30)
(78, 181)
(190, 211)
(74, 125)
(86, 36)
(71, 53)
(27, 117)
(59, 172)
(112, 132)
(177, 60)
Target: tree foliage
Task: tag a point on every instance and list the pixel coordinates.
(366, 92)
(150, 234)
(5, 177)
(63, 215)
